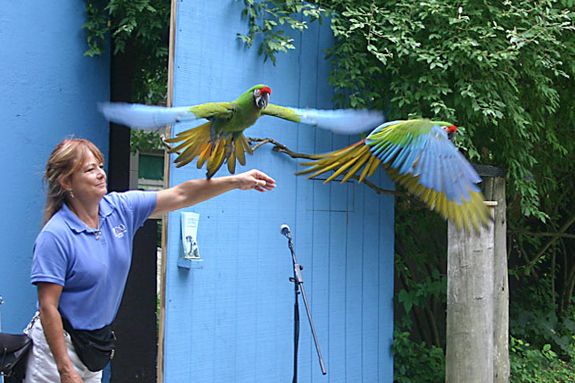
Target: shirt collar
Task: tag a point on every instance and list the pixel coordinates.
(77, 225)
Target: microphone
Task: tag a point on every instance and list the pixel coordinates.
(285, 231)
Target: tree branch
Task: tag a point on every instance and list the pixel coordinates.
(560, 233)
(545, 234)
(278, 147)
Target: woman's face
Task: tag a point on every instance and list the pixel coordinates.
(89, 181)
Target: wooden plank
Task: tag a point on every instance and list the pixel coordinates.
(354, 284)
(335, 354)
(370, 288)
(318, 291)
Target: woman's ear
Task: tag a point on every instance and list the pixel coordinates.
(65, 182)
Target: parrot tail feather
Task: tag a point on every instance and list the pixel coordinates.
(190, 143)
(347, 162)
(212, 152)
(239, 149)
(217, 157)
(232, 162)
(205, 153)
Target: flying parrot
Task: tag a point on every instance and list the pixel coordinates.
(221, 138)
(419, 155)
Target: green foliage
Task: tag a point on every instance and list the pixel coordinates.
(431, 286)
(269, 20)
(410, 356)
(96, 27)
(143, 22)
(498, 69)
(138, 29)
(420, 262)
(534, 317)
(538, 365)
(145, 141)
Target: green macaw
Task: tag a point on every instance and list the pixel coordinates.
(221, 138)
(419, 155)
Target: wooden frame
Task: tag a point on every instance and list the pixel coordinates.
(161, 326)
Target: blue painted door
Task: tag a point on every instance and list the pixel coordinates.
(232, 319)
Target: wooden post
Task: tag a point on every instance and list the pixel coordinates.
(162, 319)
(495, 191)
(470, 306)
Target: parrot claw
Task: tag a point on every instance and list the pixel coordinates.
(167, 146)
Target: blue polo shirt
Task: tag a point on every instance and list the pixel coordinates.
(92, 265)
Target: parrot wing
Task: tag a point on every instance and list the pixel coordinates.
(151, 117)
(343, 121)
(418, 155)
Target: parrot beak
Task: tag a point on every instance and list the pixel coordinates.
(262, 97)
(262, 100)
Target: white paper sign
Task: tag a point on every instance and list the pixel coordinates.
(190, 222)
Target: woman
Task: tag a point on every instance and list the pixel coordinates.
(82, 255)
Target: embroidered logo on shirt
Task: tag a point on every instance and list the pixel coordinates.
(119, 231)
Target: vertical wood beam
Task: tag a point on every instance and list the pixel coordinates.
(495, 191)
(164, 241)
(470, 306)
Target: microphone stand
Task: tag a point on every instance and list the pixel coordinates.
(297, 280)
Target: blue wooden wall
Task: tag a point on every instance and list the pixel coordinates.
(48, 91)
(231, 320)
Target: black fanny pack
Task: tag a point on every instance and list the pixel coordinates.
(95, 348)
(13, 351)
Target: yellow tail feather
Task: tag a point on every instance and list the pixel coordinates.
(347, 161)
(205, 154)
(216, 159)
(198, 142)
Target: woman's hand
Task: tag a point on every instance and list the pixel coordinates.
(255, 179)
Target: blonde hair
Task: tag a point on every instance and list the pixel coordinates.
(67, 157)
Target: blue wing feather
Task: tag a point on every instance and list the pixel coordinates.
(342, 121)
(144, 116)
(429, 156)
(390, 152)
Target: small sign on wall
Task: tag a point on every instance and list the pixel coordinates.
(190, 256)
